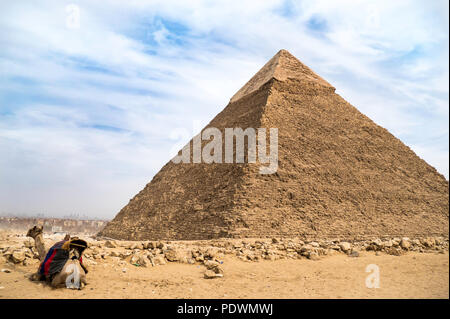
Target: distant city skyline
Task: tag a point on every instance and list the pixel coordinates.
(46, 215)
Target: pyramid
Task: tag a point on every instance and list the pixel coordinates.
(339, 174)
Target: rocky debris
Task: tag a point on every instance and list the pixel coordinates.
(405, 244)
(158, 260)
(28, 243)
(110, 244)
(313, 255)
(394, 251)
(345, 246)
(428, 242)
(5, 270)
(17, 257)
(210, 253)
(209, 274)
(89, 262)
(314, 244)
(143, 261)
(134, 259)
(213, 266)
(172, 255)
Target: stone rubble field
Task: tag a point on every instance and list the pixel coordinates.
(210, 253)
(176, 268)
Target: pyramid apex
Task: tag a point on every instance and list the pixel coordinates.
(281, 66)
(284, 51)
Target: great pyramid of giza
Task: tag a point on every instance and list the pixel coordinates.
(339, 174)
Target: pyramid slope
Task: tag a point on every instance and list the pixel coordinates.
(281, 66)
(190, 201)
(339, 174)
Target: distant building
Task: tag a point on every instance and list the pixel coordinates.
(57, 229)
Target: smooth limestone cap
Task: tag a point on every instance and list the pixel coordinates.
(281, 66)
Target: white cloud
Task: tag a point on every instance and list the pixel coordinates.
(141, 69)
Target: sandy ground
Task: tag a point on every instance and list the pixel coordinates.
(414, 275)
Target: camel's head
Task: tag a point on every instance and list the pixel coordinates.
(35, 231)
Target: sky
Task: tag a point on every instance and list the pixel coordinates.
(96, 95)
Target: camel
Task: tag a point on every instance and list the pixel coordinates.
(36, 233)
(72, 268)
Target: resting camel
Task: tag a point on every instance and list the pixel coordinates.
(72, 265)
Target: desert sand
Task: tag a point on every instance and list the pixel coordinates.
(411, 275)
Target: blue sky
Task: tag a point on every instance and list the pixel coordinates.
(88, 114)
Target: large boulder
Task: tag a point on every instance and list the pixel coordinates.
(214, 266)
(405, 244)
(345, 246)
(158, 260)
(175, 254)
(17, 257)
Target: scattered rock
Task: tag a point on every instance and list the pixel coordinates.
(143, 261)
(209, 274)
(306, 248)
(160, 245)
(28, 243)
(17, 257)
(89, 262)
(416, 242)
(210, 264)
(134, 246)
(387, 244)
(396, 242)
(405, 244)
(114, 254)
(394, 251)
(137, 259)
(270, 257)
(214, 266)
(172, 255)
(159, 260)
(211, 253)
(428, 242)
(110, 244)
(345, 246)
(312, 255)
(314, 244)
(377, 242)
